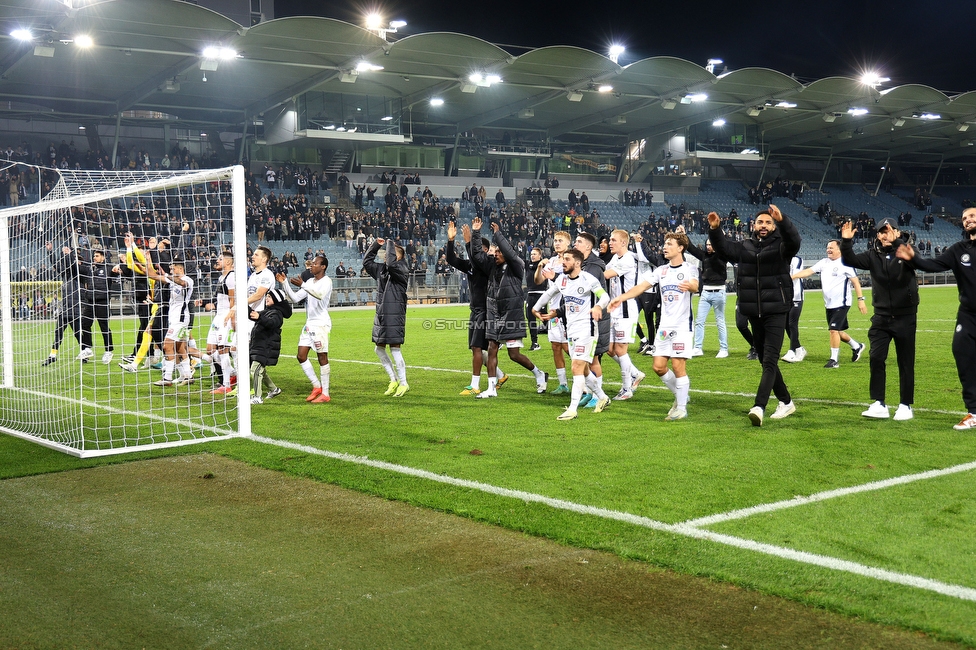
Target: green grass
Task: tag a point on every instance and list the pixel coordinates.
(627, 459)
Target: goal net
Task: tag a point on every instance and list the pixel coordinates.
(92, 276)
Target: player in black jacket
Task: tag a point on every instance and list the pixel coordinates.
(959, 258)
(95, 279)
(66, 266)
(894, 295)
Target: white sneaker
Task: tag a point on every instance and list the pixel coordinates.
(722, 354)
(676, 414)
(784, 409)
(903, 413)
(789, 357)
(878, 411)
(85, 354)
(486, 394)
(256, 399)
(129, 367)
(697, 352)
(107, 357)
(801, 354)
(636, 379)
(756, 416)
(623, 394)
(568, 414)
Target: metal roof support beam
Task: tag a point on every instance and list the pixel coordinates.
(938, 171)
(115, 143)
(884, 170)
(826, 168)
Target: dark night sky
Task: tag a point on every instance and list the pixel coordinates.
(910, 42)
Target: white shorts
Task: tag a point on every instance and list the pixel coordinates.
(220, 333)
(674, 344)
(582, 348)
(179, 331)
(557, 331)
(315, 337)
(622, 330)
(514, 343)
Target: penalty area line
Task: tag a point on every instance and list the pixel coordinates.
(683, 529)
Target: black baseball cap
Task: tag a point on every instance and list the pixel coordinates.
(887, 222)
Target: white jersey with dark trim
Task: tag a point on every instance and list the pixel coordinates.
(580, 295)
(179, 299)
(555, 264)
(835, 280)
(675, 303)
(796, 265)
(626, 268)
(225, 285)
(264, 279)
(317, 294)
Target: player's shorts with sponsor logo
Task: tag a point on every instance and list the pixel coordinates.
(220, 333)
(622, 330)
(178, 331)
(315, 337)
(673, 343)
(582, 348)
(557, 330)
(837, 318)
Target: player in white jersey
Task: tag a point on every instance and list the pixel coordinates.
(583, 301)
(836, 279)
(316, 292)
(178, 322)
(548, 270)
(797, 352)
(677, 281)
(262, 280)
(220, 337)
(621, 275)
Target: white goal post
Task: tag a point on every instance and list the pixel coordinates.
(83, 318)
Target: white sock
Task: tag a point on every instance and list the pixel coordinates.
(401, 368)
(184, 367)
(626, 370)
(561, 373)
(309, 371)
(225, 368)
(854, 344)
(578, 382)
(168, 369)
(599, 388)
(498, 372)
(492, 382)
(539, 375)
(670, 381)
(325, 372)
(591, 383)
(834, 352)
(681, 394)
(386, 362)
(475, 381)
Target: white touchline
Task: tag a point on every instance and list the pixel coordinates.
(684, 529)
(829, 494)
(652, 386)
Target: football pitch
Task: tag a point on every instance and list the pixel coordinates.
(869, 518)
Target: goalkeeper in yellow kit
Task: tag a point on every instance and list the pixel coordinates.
(135, 264)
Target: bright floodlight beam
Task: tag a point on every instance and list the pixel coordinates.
(615, 51)
(436, 101)
(873, 79)
(374, 21)
(22, 34)
(718, 122)
(84, 40)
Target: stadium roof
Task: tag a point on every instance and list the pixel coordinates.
(147, 56)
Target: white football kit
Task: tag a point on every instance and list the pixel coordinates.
(557, 328)
(623, 319)
(178, 322)
(318, 323)
(580, 295)
(835, 279)
(676, 330)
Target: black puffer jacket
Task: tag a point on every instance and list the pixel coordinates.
(894, 287)
(763, 283)
(506, 300)
(390, 322)
(266, 335)
(595, 266)
(477, 272)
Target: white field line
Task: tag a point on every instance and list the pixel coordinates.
(650, 383)
(829, 494)
(836, 564)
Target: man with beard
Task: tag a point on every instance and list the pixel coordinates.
(894, 295)
(765, 292)
(959, 258)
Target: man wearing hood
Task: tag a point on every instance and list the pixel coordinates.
(765, 296)
(894, 296)
(266, 342)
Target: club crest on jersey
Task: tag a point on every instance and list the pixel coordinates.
(664, 335)
(965, 259)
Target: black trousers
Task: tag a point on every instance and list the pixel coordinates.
(650, 304)
(97, 312)
(900, 329)
(742, 324)
(530, 300)
(71, 316)
(964, 350)
(793, 324)
(768, 332)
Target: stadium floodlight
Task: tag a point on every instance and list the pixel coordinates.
(696, 97)
(785, 105)
(574, 96)
(719, 122)
(386, 118)
(615, 51)
(374, 23)
(605, 88)
(219, 53)
(962, 128)
(436, 101)
(331, 127)
(710, 65)
(898, 121)
(96, 409)
(397, 24)
(829, 117)
(930, 116)
(873, 79)
(22, 34)
(668, 104)
(84, 40)
(366, 66)
(857, 111)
